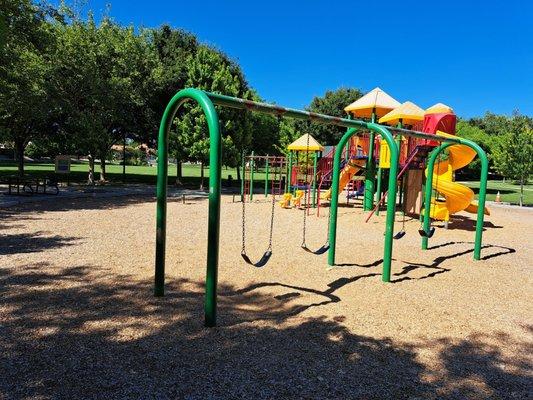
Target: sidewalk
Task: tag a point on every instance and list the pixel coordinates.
(74, 192)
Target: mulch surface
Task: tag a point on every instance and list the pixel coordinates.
(78, 319)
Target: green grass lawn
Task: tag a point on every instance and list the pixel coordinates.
(134, 174)
(509, 192)
(191, 177)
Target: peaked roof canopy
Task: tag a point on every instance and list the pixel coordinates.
(408, 113)
(439, 108)
(300, 144)
(376, 100)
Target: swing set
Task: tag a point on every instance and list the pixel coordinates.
(274, 167)
(207, 102)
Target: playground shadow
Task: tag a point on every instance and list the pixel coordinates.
(436, 267)
(22, 243)
(85, 334)
(460, 222)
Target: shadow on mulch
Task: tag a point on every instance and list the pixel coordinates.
(436, 264)
(32, 242)
(108, 337)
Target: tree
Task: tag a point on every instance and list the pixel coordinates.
(173, 49)
(513, 154)
(332, 103)
(288, 133)
(99, 76)
(212, 71)
(24, 66)
(473, 132)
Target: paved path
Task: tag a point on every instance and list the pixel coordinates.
(94, 191)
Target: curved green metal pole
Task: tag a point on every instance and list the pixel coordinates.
(481, 197)
(213, 231)
(391, 199)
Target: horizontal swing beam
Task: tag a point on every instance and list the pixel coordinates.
(242, 104)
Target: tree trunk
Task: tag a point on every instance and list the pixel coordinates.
(19, 150)
(201, 175)
(90, 179)
(102, 169)
(521, 191)
(179, 172)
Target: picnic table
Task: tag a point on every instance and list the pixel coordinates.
(28, 185)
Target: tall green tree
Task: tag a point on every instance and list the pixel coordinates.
(25, 64)
(513, 153)
(210, 70)
(332, 103)
(173, 49)
(99, 76)
(473, 132)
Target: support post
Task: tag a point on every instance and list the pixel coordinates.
(378, 188)
(213, 230)
(289, 177)
(370, 179)
(481, 196)
(315, 159)
(389, 228)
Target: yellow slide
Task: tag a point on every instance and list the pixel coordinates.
(458, 197)
(351, 168)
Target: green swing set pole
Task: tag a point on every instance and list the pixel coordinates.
(213, 230)
(370, 179)
(315, 159)
(252, 167)
(481, 197)
(378, 188)
(289, 174)
(266, 177)
(389, 227)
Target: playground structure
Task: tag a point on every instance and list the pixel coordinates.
(376, 133)
(274, 182)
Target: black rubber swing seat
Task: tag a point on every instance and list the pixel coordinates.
(261, 263)
(428, 234)
(317, 252)
(399, 235)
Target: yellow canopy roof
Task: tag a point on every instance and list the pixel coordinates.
(300, 144)
(408, 112)
(439, 108)
(376, 100)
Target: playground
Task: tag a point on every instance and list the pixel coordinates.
(78, 314)
(326, 264)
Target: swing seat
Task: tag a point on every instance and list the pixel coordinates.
(399, 235)
(261, 263)
(317, 252)
(428, 234)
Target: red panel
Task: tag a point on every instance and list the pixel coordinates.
(444, 122)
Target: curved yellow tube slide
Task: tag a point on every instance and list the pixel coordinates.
(457, 197)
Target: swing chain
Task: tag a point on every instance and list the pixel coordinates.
(271, 222)
(243, 250)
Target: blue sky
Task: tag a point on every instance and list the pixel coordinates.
(472, 55)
